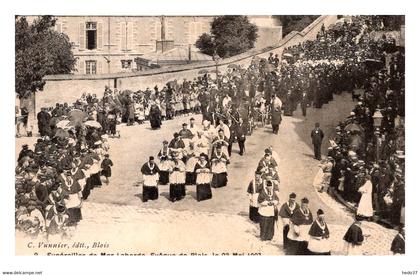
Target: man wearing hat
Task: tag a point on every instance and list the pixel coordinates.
(25, 152)
(253, 191)
(286, 212)
(300, 222)
(164, 156)
(317, 135)
(177, 177)
(150, 172)
(267, 210)
(354, 238)
(177, 144)
(219, 161)
(319, 235)
(185, 133)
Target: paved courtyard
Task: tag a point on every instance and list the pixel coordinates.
(115, 212)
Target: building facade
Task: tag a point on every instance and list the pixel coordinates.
(112, 44)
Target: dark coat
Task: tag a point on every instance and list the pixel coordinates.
(317, 135)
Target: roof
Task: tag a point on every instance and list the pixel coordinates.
(177, 54)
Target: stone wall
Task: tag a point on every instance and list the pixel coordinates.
(68, 88)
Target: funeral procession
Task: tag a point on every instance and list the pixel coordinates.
(210, 135)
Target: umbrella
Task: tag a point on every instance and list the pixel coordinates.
(93, 123)
(287, 55)
(64, 124)
(214, 71)
(203, 71)
(61, 133)
(353, 128)
(76, 117)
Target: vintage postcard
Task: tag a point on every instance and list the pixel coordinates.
(210, 135)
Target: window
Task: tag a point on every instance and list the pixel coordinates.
(90, 67)
(126, 64)
(91, 35)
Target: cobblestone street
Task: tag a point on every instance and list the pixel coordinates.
(116, 213)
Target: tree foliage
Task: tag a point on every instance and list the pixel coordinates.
(295, 22)
(39, 51)
(229, 35)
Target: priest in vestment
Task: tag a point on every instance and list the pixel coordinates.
(150, 172)
(354, 238)
(319, 235)
(267, 209)
(300, 222)
(286, 212)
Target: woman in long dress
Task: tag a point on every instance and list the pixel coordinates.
(219, 163)
(177, 178)
(267, 208)
(365, 208)
(203, 178)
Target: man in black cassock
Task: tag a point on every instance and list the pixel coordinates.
(398, 243)
(354, 238)
(150, 173)
(317, 135)
(155, 117)
(286, 212)
(241, 130)
(300, 223)
(43, 118)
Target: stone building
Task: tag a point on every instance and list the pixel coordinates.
(115, 44)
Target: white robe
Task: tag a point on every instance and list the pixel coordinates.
(365, 204)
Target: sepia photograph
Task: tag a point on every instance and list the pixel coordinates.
(209, 135)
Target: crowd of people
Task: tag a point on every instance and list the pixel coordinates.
(57, 175)
(365, 163)
(198, 154)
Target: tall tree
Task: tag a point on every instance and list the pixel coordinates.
(229, 35)
(39, 51)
